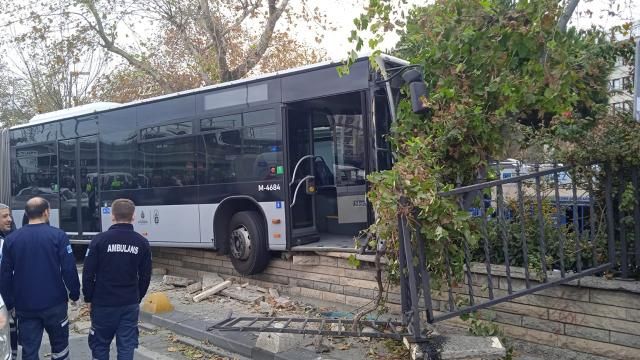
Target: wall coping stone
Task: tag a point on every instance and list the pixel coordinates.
(593, 282)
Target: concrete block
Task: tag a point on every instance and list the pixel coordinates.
(338, 289)
(210, 280)
(586, 332)
(617, 298)
(352, 291)
(274, 293)
(194, 288)
(544, 325)
(628, 327)
(469, 347)
(322, 286)
(176, 280)
(306, 260)
(625, 339)
(606, 350)
(277, 343)
(159, 271)
(244, 295)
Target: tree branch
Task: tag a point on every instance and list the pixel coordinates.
(566, 15)
(109, 44)
(263, 43)
(248, 8)
(217, 38)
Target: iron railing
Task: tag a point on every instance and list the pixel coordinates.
(574, 222)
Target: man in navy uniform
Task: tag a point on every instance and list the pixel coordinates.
(6, 227)
(116, 276)
(38, 277)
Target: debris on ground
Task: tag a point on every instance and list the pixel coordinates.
(194, 288)
(244, 295)
(210, 280)
(176, 281)
(212, 291)
(274, 293)
(82, 327)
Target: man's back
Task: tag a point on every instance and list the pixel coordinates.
(117, 267)
(40, 256)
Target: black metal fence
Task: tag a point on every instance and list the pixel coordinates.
(555, 225)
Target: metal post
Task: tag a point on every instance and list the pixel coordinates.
(636, 96)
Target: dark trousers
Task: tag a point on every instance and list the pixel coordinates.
(31, 325)
(13, 334)
(118, 321)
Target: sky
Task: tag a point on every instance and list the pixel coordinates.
(342, 12)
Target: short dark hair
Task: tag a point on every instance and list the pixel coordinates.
(123, 209)
(36, 207)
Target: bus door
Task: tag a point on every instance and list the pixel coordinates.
(301, 176)
(78, 185)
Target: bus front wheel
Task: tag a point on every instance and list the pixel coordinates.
(248, 243)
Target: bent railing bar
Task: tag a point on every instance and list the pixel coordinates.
(525, 246)
(452, 306)
(404, 289)
(543, 252)
(495, 183)
(467, 262)
(636, 217)
(592, 223)
(624, 257)
(611, 231)
(576, 229)
(523, 292)
(503, 234)
(405, 237)
(560, 234)
(487, 253)
(424, 275)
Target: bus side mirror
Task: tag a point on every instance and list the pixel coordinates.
(417, 89)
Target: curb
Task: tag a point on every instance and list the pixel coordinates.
(235, 342)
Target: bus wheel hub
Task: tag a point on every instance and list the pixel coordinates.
(240, 243)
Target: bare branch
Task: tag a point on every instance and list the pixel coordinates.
(109, 44)
(566, 15)
(263, 43)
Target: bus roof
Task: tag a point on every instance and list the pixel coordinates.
(89, 109)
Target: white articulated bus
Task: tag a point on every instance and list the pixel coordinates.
(272, 163)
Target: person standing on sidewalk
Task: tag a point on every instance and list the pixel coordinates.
(38, 275)
(6, 227)
(115, 278)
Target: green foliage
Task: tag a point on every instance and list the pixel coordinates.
(503, 79)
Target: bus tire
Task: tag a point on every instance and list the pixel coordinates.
(248, 243)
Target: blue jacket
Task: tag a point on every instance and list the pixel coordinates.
(117, 267)
(37, 268)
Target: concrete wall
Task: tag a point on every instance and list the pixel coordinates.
(593, 315)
